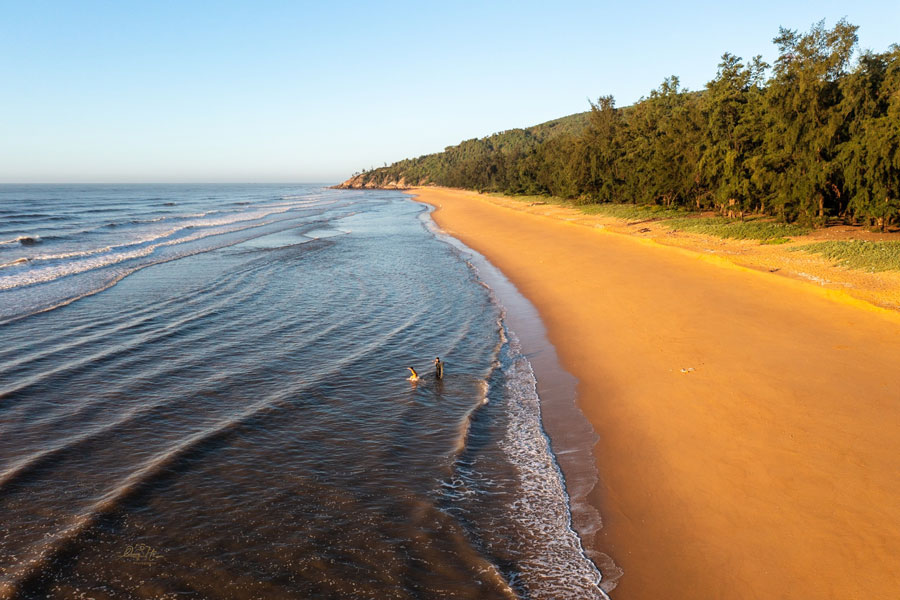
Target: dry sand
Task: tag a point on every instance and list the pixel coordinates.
(770, 468)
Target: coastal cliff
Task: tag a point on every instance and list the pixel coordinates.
(365, 181)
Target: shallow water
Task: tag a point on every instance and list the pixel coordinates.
(224, 412)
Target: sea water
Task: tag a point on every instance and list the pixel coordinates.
(204, 394)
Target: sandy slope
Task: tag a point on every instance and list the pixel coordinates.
(769, 470)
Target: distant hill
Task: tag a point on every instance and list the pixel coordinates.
(570, 125)
(454, 166)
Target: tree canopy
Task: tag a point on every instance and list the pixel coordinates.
(812, 137)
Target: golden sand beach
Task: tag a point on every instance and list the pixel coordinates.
(749, 423)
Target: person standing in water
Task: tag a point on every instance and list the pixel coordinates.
(438, 368)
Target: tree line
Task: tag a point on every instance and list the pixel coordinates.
(816, 136)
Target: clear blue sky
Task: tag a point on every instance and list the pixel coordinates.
(313, 91)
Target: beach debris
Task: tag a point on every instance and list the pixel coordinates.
(644, 230)
(688, 370)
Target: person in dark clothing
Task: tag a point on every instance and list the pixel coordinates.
(438, 368)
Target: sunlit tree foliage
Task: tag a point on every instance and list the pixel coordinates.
(815, 136)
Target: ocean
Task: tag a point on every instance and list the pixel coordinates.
(204, 394)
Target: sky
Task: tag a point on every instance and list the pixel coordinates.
(262, 91)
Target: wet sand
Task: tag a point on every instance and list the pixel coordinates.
(749, 424)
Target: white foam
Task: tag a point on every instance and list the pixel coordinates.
(557, 567)
(95, 258)
(18, 261)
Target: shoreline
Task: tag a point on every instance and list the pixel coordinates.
(747, 428)
(556, 388)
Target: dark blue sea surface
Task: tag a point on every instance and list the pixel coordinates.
(204, 394)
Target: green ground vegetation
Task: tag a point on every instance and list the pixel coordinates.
(859, 254)
(764, 230)
(754, 227)
(634, 212)
(814, 136)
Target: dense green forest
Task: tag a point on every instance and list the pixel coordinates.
(816, 136)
